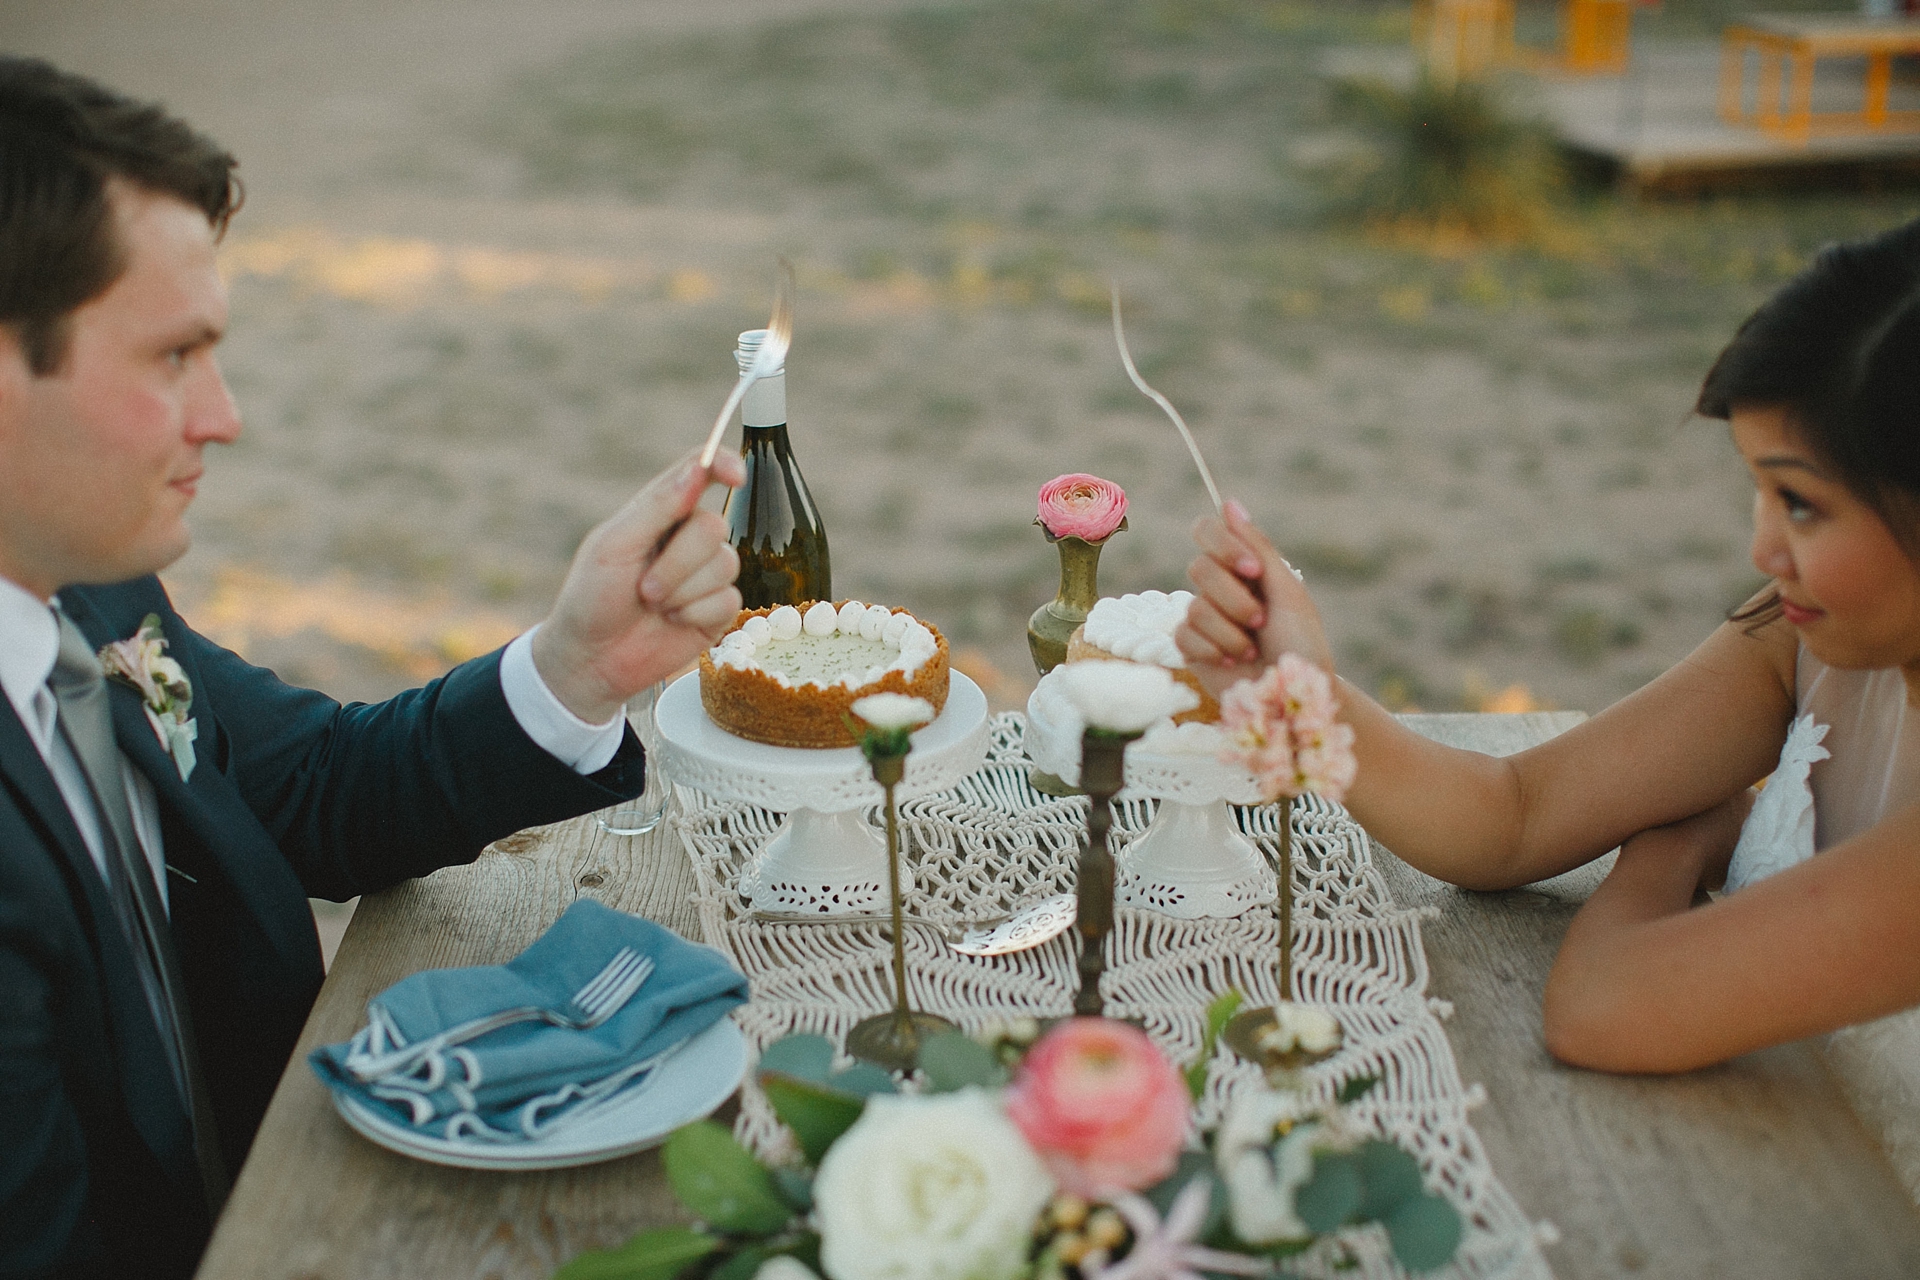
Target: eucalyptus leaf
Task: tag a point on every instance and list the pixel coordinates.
(1424, 1232)
(806, 1057)
(1390, 1177)
(1357, 1088)
(659, 1254)
(1332, 1194)
(952, 1061)
(817, 1114)
(795, 1187)
(863, 1080)
(721, 1182)
(742, 1265)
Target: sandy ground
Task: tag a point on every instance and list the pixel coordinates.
(460, 337)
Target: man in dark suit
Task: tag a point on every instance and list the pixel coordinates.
(159, 832)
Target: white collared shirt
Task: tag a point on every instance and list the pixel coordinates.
(30, 641)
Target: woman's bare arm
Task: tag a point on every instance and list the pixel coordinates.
(1645, 984)
(1699, 734)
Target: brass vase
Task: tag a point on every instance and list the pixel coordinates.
(1054, 621)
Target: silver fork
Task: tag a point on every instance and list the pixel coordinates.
(771, 355)
(604, 995)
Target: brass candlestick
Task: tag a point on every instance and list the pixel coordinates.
(1102, 772)
(893, 1040)
(1250, 1033)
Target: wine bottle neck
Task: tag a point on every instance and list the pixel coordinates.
(765, 404)
(774, 437)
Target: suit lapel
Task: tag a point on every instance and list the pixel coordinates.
(33, 783)
(152, 1101)
(227, 838)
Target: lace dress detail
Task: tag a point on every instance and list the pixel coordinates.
(1820, 796)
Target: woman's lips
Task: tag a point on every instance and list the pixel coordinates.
(1798, 614)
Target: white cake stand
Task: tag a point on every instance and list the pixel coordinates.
(1191, 861)
(827, 859)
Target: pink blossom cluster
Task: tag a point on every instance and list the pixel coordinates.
(1082, 506)
(1101, 1105)
(1282, 729)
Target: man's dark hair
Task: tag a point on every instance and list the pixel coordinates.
(61, 138)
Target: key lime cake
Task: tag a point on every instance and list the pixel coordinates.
(788, 675)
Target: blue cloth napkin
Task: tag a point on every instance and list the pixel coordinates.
(522, 1082)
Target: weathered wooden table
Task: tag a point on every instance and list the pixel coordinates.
(1756, 1169)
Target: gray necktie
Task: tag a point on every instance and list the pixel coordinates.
(86, 720)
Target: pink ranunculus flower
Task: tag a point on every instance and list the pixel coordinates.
(1102, 1106)
(1082, 506)
(1283, 729)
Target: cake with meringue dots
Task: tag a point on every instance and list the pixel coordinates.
(1139, 628)
(789, 675)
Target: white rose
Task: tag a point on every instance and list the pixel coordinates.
(1262, 1176)
(1124, 697)
(929, 1188)
(893, 710)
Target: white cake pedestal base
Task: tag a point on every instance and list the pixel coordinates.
(826, 860)
(1191, 861)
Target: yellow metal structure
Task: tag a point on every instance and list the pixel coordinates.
(1785, 50)
(1462, 39)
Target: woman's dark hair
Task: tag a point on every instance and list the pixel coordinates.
(61, 138)
(1838, 347)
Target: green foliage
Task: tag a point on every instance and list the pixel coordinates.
(816, 1114)
(1380, 1182)
(742, 1265)
(1219, 1013)
(1424, 1231)
(804, 1057)
(1448, 157)
(1389, 1176)
(1357, 1088)
(721, 1182)
(795, 1187)
(815, 1101)
(660, 1254)
(951, 1061)
(1333, 1194)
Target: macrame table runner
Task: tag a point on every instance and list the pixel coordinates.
(993, 844)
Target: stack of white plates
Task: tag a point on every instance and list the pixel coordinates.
(689, 1084)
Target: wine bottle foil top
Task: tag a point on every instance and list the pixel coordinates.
(749, 344)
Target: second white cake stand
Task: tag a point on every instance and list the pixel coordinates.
(1191, 861)
(826, 860)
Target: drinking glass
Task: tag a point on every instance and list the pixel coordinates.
(643, 813)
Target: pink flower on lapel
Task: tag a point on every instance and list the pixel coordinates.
(142, 661)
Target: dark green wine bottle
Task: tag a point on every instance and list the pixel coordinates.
(771, 520)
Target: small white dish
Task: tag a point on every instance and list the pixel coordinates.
(689, 1084)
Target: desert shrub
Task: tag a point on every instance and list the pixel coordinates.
(1445, 158)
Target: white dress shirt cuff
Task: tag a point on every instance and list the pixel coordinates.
(584, 748)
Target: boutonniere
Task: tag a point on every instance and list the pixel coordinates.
(143, 663)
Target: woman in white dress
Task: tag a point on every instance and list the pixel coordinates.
(1821, 390)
